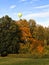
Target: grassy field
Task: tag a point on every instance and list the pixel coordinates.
(9, 60)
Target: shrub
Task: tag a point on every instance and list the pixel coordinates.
(4, 53)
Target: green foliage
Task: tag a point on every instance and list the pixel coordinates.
(23, 37)
(24, 48)
(32, 25)
(46, 52)
(4, 53)
(9, 35)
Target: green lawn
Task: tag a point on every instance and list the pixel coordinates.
(22, 61)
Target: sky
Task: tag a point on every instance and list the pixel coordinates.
(30, 9)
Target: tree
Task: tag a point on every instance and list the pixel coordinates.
(47, 35)
(32, 25)
(40, 33)
(9, 36)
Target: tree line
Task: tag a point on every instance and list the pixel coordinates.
(22, 36)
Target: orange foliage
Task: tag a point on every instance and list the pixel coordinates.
(25, 31)
(24, 27)
(40, 49)
(34, 43)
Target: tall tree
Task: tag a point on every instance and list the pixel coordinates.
(32, 25)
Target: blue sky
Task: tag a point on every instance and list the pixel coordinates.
(31, 9)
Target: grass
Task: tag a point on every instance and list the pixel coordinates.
(13, 60)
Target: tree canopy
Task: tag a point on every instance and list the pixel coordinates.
(22, 36)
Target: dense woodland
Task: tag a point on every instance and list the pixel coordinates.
(23, 37)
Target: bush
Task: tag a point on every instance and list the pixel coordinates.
(46, 56)
(4, 53)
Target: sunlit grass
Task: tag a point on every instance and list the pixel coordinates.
(13, 60)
